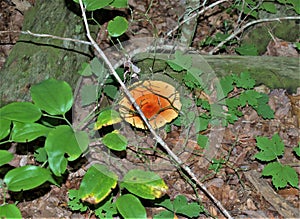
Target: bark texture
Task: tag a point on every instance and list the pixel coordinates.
(35, 59)
(274, 72)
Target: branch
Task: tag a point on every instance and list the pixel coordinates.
(136, 106)
(238, 31)
(46, 36)
(195, 15)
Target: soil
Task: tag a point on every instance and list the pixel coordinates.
(238, 184)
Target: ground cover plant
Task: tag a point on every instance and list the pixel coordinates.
(207, 103)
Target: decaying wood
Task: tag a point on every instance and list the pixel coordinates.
(35, 59)
(280, 204)
(274, 72)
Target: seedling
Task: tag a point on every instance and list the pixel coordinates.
(271, 151)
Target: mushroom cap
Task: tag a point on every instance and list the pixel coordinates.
(158, 100)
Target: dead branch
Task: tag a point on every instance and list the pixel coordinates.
(241, 29)
(176, 159)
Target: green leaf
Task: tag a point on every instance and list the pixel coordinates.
(181, 206)
(53, 96)
(281, 175)
(40, 155)
(203, 103)
(164, 215)
(111, 91)
(244, 80)
(4, 128)
(296, 5)
(144, 184)
(27, 177)
(63, 140)
(119, 3)
(202, 140)
(92, 192)
(247, 50)
(117, 26)
(192, 79)
(233, 104)
(263, 109)
(201, 123)
(269, 7)
(85, 69)
(10, 211)
(115, 141)
(270, 149)
(5, 157)
(297, 150)
(74, 201)
(251, 97)
(107, 117)
(180, 62)
(25, 132)
(99, 69)
(130, 206)
(21, 112)
(107, 210)
(216, 164)
(92, 5)
(225, 86)
(297, 46)
(166, 203)
(89, 94)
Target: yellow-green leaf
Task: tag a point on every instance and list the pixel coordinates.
(97, 184)
(107, 117)
(145, 184)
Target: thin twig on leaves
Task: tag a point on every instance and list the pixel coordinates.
(47, 36)
(176, 159)
(196, 14)
(240, 30)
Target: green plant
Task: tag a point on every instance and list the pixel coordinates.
(247, 50)
(139, 183)
(216, 39)
(117, 26)
(229, 104)
(179, 206)
(216, 164)
(253, 7)
(271, 151)
(29, 123)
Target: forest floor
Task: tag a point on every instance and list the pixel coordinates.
(237, 184)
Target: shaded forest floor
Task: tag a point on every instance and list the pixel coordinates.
(237, 183)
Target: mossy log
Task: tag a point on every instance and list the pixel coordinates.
(35, 59)
(274, 72)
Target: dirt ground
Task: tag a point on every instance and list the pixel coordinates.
(237, 185)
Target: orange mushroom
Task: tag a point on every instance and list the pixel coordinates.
(158, 100)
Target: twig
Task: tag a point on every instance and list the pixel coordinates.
(136, 106)
(46, 36)
(195, 15)
(238, 31)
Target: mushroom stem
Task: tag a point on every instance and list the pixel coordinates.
(176, 159)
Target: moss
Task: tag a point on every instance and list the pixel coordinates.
(35, 59)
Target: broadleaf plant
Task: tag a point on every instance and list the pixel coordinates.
(179, 206)
(271, 151)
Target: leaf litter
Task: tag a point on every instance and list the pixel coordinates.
(237, 183)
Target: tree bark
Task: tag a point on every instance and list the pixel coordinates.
(35, 59)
